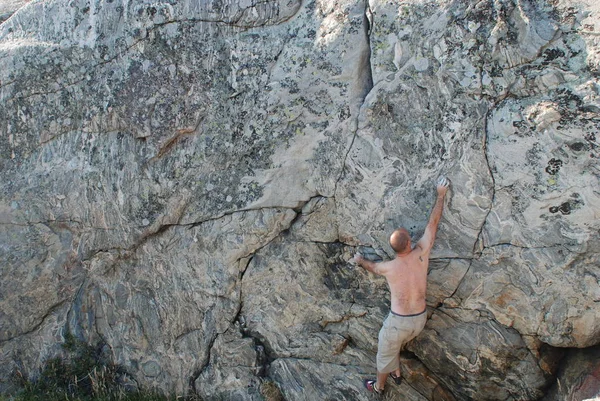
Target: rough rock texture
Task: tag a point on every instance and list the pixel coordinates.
(186, 181)
(579, 378)
(9, 7)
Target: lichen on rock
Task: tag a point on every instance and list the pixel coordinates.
(185, 183)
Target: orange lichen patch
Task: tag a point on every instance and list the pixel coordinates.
(341, 346)
(324, 323)
(504, 300)
(171, 142)
(582, 328)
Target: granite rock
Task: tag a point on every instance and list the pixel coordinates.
(185, 183)
(578, 378)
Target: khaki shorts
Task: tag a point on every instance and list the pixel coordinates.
(397, 330)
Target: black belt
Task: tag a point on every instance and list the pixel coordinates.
(413, 315)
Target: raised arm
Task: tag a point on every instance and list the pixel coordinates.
(426, 242)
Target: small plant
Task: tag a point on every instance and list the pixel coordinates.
(82, 375)
(270, 391)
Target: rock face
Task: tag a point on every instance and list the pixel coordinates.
(186, 181)
(579, 377)
(8, 8)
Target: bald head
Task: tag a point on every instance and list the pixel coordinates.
(400, 240)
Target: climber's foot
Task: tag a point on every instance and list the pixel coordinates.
(371, 385)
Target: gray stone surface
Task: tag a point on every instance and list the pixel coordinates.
(186, 181)
(9, 7)
(482, 358)
(578, 378)
(308, 380)
(234, 369)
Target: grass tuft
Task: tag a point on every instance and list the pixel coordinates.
(82, 375)
(270, 391)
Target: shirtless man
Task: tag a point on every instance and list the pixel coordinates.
(406, 276)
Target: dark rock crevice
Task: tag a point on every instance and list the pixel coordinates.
(73, 314)
(462, 279)
(264, 355)
(452, 258)
(363, 83)
(365, 77)
(479, 243)
(508, 244)
(237, 20)
(191, 225)
(203, 364)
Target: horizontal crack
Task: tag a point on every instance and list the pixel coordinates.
(509, 244)
(453, 258)
(231, 213)
(345, 317)
(42, 222)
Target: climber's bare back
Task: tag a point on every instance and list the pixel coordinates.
(407, 277)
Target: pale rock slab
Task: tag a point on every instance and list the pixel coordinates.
(182, 178)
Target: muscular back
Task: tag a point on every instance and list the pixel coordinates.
(407, 278)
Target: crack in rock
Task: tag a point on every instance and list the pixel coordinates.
(41, 322)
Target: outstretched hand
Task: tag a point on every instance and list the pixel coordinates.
(357, 258)
(442, 185)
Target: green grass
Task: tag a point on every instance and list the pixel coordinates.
(83, 375)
